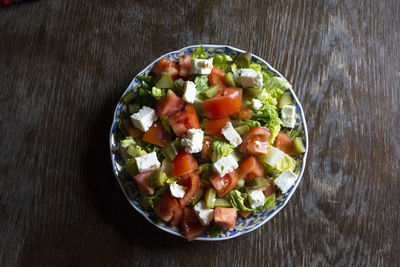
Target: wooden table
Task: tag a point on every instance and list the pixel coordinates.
(64, 65)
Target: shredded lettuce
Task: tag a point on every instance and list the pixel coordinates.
(131, 167)
(276, 159)
(165, 123)
(237, 199)
(274, 127)
(178, 87)
(199, 53)
(130, 149)
(221, 61)
(277, 82)
(251, 123)
(215, 230)
(201, 82)
(148, 202)
(255, 66)
(220, 150)
(205, 171)
(269, 202)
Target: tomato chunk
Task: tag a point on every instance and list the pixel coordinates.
(255, 142)
(166, 65)
(206, 151)
(169, 104)
(223, 105)
(191, 182)
(142, 181)
(250, 168)
(244, 213)
(214, 127)
(130, 129)
(269, 189)
(169, 209)
(225, 217)
(224, 185)
(185, 67)
(182, 121)
(191, 225)
(285, 143)
(157, 135)
(216, 77)
(183, 163)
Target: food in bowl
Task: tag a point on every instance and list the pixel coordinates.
(208, 139)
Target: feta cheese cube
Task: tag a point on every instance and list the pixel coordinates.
(250, 77)
(147, 162)
(201, 66)
(144, 118)
(256, 104)
(285, 180)
(193, 142)
(225, 165)
(231, 135)
(288, 116)
(256, 198)
(189, 93)
(205, 214)
(177, 190)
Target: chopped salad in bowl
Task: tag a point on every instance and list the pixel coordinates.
(208, 142)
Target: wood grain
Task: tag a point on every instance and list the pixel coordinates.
(64, 65)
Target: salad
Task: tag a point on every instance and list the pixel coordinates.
(209, 138)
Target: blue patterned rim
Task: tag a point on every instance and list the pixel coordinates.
(243, 225)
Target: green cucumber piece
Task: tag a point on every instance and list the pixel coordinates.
(243, 60)
(298, 145)
(258, 182)
(222, 202)
(165, 81)
(284, 100)
(242, 129)
(128, 98)
(170, 151)
(209, 198)
(210, 91)
(229, 79)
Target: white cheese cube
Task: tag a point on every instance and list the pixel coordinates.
(177, 190)
(189, 93)
(144, 118)
(231, 135)
(288, 116)
(225, 165)
(256, 104)
(285, 180)
(256, 198)
(205, 214)
(201, 66)
(147, 162)
(193, 142)
(250, 77)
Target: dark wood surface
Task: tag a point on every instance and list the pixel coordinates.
(64, 65)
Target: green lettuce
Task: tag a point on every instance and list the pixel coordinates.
(201, 82)
(221, 61)
(131, 167)
(220, 150)
(178, 87)
(278, 160)
(274, 127)
(130, 149)
(157, 93)
(277, 82)
(199, 53)
(255, 66)
(149, 201)
(237, 199)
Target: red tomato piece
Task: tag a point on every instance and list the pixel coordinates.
(244, 213)
(223, 105)
(191, 226)
(225, 217)
(285, 143)
(269, 189)
(166, 65)
(245, 114)
(214, 127)
(169, 209)
(183, 163)
(255, 142)
(169, 104)
(130, 129)
(206, 151)
(185, 65)
(142, 181)
(157, 135)
(182, 121)
(250, 168)
(191, 182)
(216, 77)
(224, 185)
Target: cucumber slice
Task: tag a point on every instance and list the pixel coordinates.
(222, 202)
(284, 100)
(242, 129)
(298, 145)
(229, 79)
(209, 198)
(211, 91)
(165, 81)
(243, 60)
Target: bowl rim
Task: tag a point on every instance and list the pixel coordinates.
(239, 233)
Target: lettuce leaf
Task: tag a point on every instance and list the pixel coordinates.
(199, 53)
(201, 82)
(157, 93)
(277, 82)
(277, 160)
(221, 61)
(274, 127)
(237, 199)
(221, 149)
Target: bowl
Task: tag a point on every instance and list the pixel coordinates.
(243, 225)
